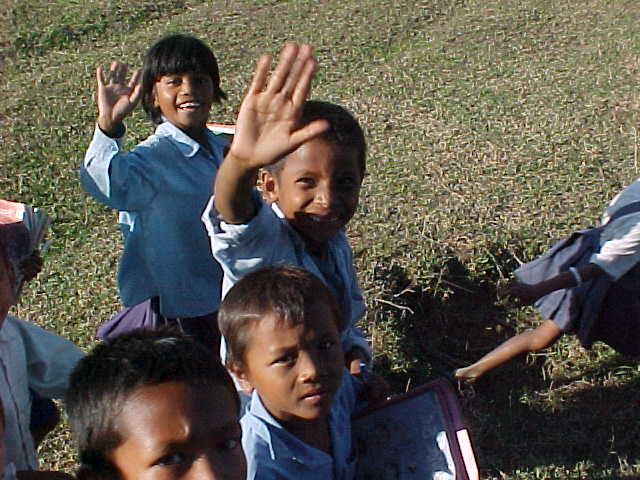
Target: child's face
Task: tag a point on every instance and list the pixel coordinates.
(317, 189)
(296, 369)
(185, 100)
(172, 430)
(7, 292)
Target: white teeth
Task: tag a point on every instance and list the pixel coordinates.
(190, 105)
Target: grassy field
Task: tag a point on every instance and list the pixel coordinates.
(495, 127)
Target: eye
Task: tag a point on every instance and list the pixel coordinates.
(285, 359)
(201, 79)
(327, 344)
(172, 80)
(174, 458)
(230, 444)
(306, 181)
(347, 183)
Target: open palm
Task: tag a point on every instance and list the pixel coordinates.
(268, 127)
(116, 99)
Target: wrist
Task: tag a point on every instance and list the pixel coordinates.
(111, 129)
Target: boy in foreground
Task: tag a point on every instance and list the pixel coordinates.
(282, 329)
(155, 405)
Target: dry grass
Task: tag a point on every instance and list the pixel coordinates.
(494, 128)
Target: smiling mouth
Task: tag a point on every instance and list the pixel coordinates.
(323, 219)
(189, 106)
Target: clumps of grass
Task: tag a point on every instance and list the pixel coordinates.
(38, 29)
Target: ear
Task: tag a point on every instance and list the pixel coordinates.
(240, 377)
(269, 185)
(156, 104)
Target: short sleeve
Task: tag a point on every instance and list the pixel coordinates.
(620, 246)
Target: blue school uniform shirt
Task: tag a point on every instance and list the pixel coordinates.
(274, 453)
(160, 188)
(269, 239)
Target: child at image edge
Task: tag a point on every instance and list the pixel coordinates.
(282, 325)
(153, 404)
(32, 360)
(166, 274)
(311, 159)
(587, 284)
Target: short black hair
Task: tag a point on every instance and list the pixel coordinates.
(176, 54)
(284, 291)
(344, 131)
(103, 380)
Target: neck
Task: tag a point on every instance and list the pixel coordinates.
(200, 136)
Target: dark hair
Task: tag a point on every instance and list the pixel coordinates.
(103, 380)
(14, 245)
(176, 54)
(285, 292)
(344, 131)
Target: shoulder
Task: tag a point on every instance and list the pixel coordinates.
(347, 395)
(156, 142)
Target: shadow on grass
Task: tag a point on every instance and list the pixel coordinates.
(436, 334)
(514, 422)
(591, 424)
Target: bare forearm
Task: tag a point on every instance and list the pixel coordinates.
(567, 279)
(233, 189)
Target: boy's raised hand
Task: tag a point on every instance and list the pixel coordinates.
(116, 98)
(268, 127)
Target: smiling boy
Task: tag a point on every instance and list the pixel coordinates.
(310, 157)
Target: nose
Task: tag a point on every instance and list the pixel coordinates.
(205, 469)
(311, 368)
(186, 87)
(324, 195)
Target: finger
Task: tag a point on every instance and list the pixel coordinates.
(113, 67)
(354, 367)
(136, 93)
(303, 86)
(260, 74)
(135, 79)
(121, 73)
(307, 132)
(288, 56)
(100, 79)
(297, 69)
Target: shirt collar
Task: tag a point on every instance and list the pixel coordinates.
(187, 145)
(295, 450)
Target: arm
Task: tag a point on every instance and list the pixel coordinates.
(267, 129)
(116, 179)
(529, 293)
(50, 359)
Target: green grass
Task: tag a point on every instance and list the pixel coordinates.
(494, 127)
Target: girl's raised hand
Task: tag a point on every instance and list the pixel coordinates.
(268, 126)
(116, 98)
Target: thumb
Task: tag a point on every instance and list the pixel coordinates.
(307, 132)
